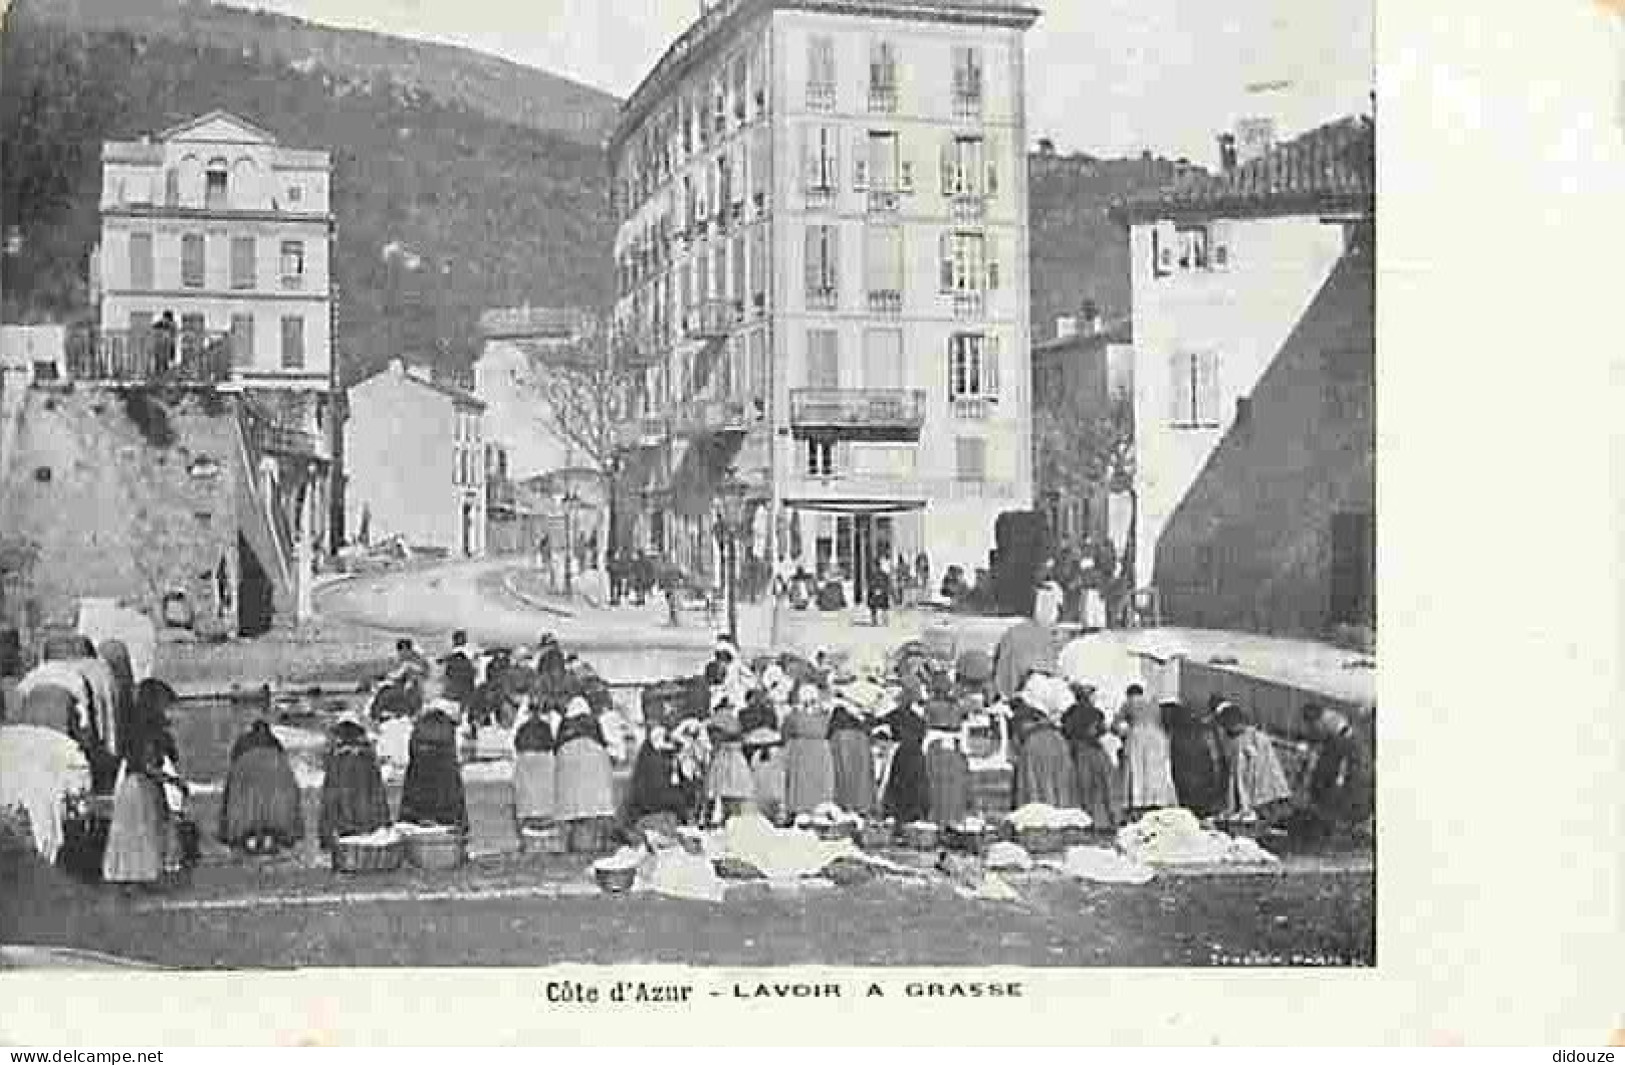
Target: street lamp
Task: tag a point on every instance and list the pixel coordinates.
(567, 501)
(729, 512)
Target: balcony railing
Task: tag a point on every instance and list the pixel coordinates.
(305, 442)
(967, 208)
(876, 413)
(823, 299)
(820, 97)
(884, 201)
(710, 318)
(882, 99)
(967, 105)
(140, 356)
(885, 301)
(702, 416)
(969, 304)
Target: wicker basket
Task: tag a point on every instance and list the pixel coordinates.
(921, 837)
(435, 851)
(967, 840)
(542, 839)
(615, 881)
(365, 858)
(875, 835)
(1042, 839)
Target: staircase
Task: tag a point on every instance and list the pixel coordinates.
(261, 522)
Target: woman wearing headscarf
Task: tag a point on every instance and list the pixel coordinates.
(137, 838)
(1045, 773)
(947, 772)
(728, 780)
(853, 758)
(658, 796)
(432, 793)
(1193, 751)
(907, 795)
(809, 767)
(584, 789)
(1256, 785)
(535, 772)
(259, 811)
(1148, 779)
(353, 799)
(117, 656)
(1084, 727)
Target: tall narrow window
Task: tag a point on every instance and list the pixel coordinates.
(242, 340)
(970, 458)
(214, 185)
(293, 342)
(884, 171)
(965, 263)
(141, 260)
(821, 457)
(882, 77)
(883, 358)
(883, 265)
(192, 260)
(823, 271)
(1194, 390)
(293, 264)
(967, 81)
(973, 366)
(823, 358)
(821, 73)
(962, 166)
(242, 262)
(172, 187)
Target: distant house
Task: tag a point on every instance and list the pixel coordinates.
(416, 462)
(1080, 375)
(519, 345)
(1254, 341)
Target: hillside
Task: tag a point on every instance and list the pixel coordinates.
(495, 213)
(497, 88)
(1078, 253)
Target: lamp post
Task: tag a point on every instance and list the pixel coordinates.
(567, 502)
(729, 511)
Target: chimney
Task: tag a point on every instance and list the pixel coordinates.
(1227, 152)
(1066, 326)
(397, 368)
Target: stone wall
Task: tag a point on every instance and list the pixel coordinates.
(123, 512)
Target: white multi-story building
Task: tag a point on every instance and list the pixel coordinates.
(822, 278)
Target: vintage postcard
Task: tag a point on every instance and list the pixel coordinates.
(689, 492)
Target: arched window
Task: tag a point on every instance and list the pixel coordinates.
(215, 184)
(245, 184)
(190, 182)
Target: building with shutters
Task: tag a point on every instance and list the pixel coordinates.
(822, 280)
(1254, 387)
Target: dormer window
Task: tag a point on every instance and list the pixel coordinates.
(215, 184)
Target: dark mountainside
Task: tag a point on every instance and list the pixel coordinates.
(497, 88)
(492, 213)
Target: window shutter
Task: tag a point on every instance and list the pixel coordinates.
(1219, 251)
(1165, 247)
(945, 255)
(953, 350)
(832, 158)
(949, 150)
(990, 158)
(860, 160)
(991, 250)
(1179, 388)
(1207, 388)
(905, 165)
(990, 366)
(242, 262)
(242, 340)
(141, 260)
(833, 258)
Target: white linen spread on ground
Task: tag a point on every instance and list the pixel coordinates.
(1175, 837)
(39, 769)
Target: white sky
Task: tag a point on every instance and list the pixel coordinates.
(1105, 76)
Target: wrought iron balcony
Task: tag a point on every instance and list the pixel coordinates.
(885, 301)
(967, 104)
(883, 99)
(820, 97)
(867, 413)
(139, 356)
(710, 319)
(884, 201)
(702, 416)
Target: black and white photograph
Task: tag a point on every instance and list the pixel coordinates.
(721, 483)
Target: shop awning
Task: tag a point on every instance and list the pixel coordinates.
(855, 506)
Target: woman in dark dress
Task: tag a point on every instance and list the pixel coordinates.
(353, 801)
(854, 760)
(584, 788)
(1084, 726)
(137, 840)
(260, 811)
(432, 793)
(947, 771)
(658, 797)
(908, 793)
(1045, 773)
(534, 770)
(1198, 766)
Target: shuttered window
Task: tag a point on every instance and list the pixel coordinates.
(970, 458)
(883, 358)
(141, 260)
(823, 359)
(1194, 391)
(823, 258)
(242, 262)
(973, 366)
(966, 266)
(962, 166)
(293, 342)
(192, 260)
(883, 259)
(242, 340)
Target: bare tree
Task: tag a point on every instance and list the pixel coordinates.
(1078, 457)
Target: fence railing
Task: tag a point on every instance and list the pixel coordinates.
(148, 355)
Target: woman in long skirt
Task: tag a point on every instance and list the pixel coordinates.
(728, 780)
(1148, 778)
(1256, 784)
(907, 795)
(657, 796)
(854, 760)
(947, 772)
(260, 811)
(535, 772)
(136, 840)
(432, 793)
(764, 753)
(1198, 766)
(1046, 773)
(1096, 773)
(809, 767)
(583, 788)
(353, 801)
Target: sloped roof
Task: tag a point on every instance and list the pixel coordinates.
(217, 115)
(1330, 168)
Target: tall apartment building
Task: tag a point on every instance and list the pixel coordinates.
(822, 279)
